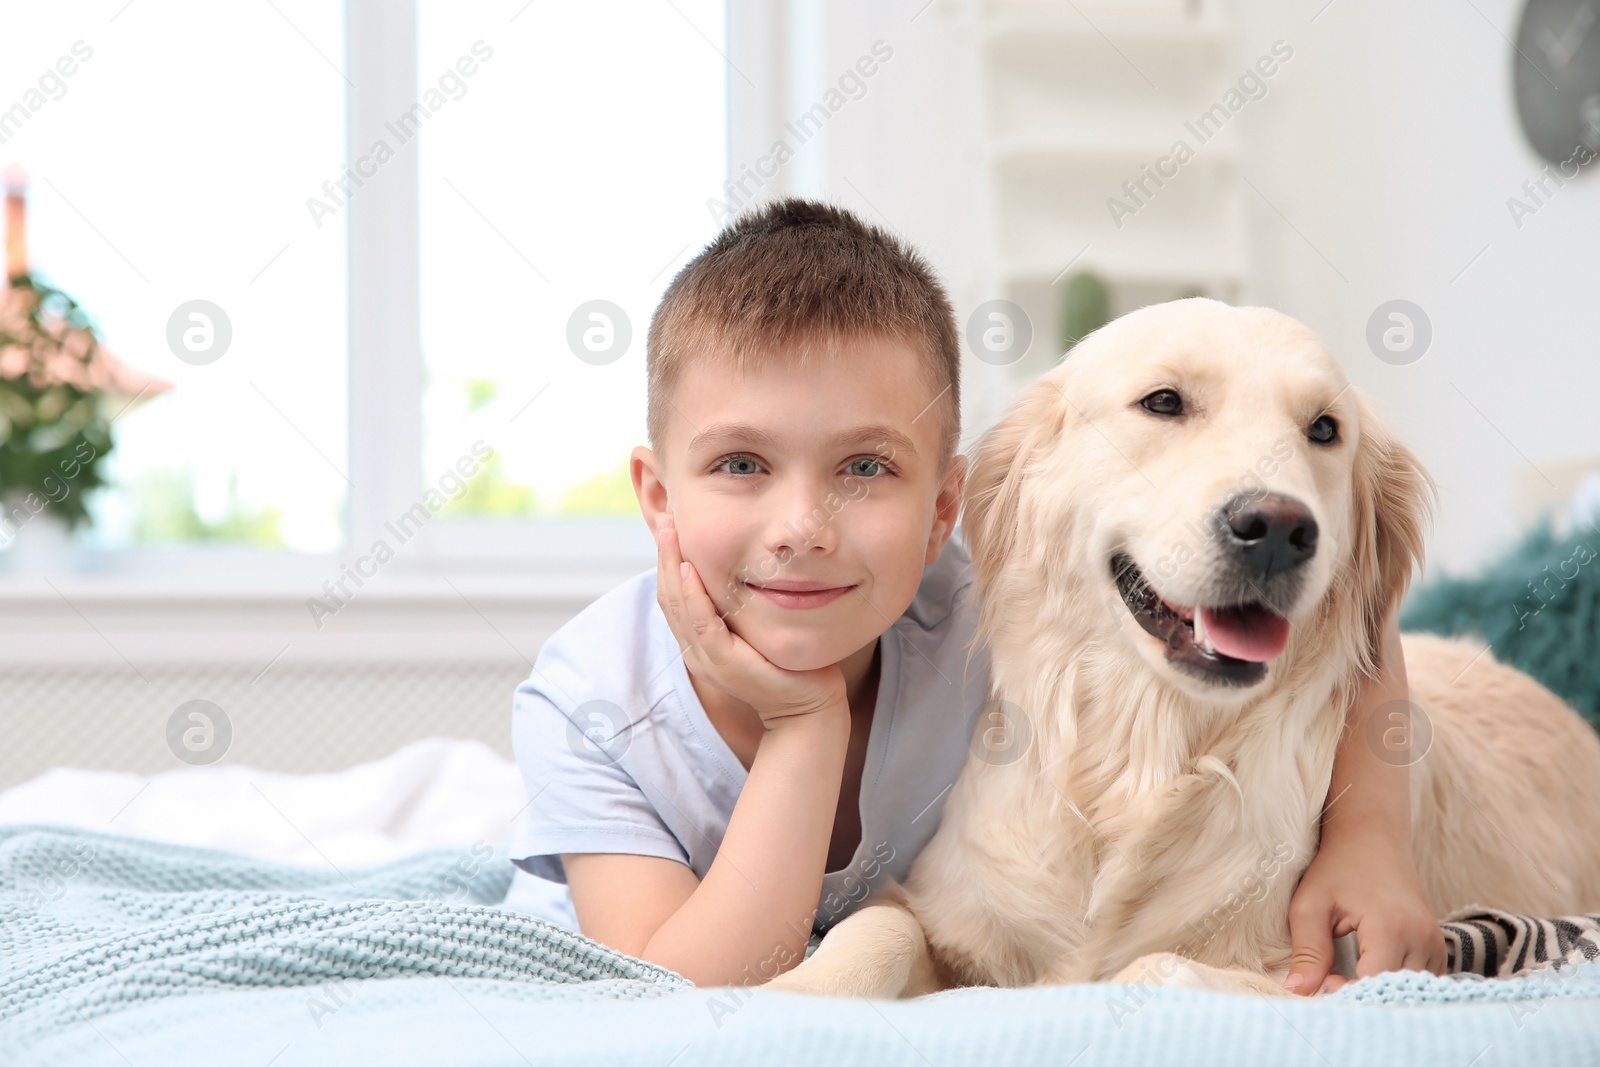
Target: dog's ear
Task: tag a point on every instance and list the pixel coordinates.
(994, 480)
(1393, 501)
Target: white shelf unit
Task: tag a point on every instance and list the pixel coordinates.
(1072, 100)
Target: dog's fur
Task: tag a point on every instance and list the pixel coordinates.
(1152, 825)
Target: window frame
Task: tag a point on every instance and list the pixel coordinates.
(385, 352)
(548, 557)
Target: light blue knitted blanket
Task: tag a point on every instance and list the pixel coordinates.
(119, 951)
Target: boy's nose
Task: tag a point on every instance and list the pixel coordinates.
(806, 524)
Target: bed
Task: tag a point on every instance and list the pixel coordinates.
(223, 914)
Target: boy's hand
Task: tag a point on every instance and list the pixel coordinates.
(1361, 879)
(717, 655)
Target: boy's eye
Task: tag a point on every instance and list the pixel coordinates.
(867, 467)
(738, 465)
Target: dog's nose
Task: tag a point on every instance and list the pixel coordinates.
(1271, 535)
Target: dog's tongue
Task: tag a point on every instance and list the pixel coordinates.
(1249, 633)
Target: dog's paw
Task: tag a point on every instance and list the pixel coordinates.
(1168, 969)
(809, 979)
(837, 977)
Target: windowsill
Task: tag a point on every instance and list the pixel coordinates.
(471, 593)
(255, 577)
(557, 562)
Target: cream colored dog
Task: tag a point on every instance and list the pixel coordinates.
(1186, 538)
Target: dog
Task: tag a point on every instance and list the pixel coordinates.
(1187, 539)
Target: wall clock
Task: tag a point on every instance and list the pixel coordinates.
(1557, 79)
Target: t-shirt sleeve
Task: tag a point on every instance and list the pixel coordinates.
(581, 798)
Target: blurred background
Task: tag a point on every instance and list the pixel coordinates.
(293, 279)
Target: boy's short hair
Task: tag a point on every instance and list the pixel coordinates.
(796, 270)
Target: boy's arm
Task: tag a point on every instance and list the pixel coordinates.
(751, 916)
(621, 898)
(1363, 877)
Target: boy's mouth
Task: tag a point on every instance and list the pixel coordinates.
(799, 595)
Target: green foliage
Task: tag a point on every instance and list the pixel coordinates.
(1086, 307)
(167, 513)
(490, 492)
(481, 392)
(54, 435)
(610, 493)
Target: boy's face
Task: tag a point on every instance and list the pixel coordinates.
(808, 498)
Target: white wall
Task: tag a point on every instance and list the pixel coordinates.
(901, 155)
(1387, 148)
(1391, 142)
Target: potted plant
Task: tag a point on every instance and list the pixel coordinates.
(1086, 306)
(60, 390)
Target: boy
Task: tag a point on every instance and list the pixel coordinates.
(724, 756)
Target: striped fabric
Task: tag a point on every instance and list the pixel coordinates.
(1497, 944)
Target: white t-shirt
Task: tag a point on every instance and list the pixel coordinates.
(617, 754)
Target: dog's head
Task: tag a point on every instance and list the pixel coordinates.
(1207, 473)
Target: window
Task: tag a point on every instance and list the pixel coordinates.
(173, 164)
(563, 154)
(563, 182)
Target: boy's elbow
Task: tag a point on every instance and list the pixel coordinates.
(635, 944)
(703, 969)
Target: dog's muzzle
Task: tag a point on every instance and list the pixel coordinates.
(1175, 627)
(1255, 576)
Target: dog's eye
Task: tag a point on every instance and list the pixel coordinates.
(1163, 402)
(1323, 430)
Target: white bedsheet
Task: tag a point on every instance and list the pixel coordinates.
(435, 793)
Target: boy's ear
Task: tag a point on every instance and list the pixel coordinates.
(645, 469)
(947, 507)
